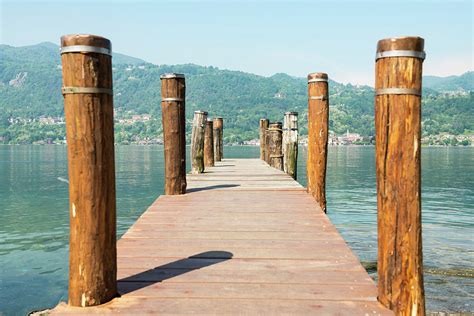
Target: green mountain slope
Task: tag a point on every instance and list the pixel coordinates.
(465, 82)
(30, 82)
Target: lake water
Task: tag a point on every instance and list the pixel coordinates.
(34, 219)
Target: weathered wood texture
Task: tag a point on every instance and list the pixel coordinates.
(209, 144)
(91, 168)
(318, 131)
(231, 246)
(267, 145)
(173, 92)
(275, 145)
(290, 143)
(197, 142)
(398, 132)
(262, 128)
(218, 138)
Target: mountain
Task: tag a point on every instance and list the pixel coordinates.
(465, 82)
(126, 60)
(48, 53)
(30, 82)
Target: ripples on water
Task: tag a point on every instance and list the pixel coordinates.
(35, 221)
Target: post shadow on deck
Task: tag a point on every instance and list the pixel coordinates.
(212, 187)
(172, 269)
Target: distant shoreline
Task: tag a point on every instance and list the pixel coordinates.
(230, 145)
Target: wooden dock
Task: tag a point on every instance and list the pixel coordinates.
(245, 239)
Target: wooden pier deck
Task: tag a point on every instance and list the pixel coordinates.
(245, 239)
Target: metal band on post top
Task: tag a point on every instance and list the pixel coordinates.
(289, 129)
(172, 76)
(85, 49)
(85, 90)
(398, 91)
(320, 97)
(172, 100)
(400, 53)
(317, 80)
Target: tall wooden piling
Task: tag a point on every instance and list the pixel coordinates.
(275, 146)
(209, 144)
(218, 138)
(197, 142)
(290, 143)
(173, 92)
(88, 107)
(263, 128)
(398, 130)
(267, 145)
(318, 131)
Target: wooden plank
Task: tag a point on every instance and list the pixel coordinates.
(223, 223)
(339, 253)
(127, 305)
(240, 264)
(249, 291)
(207, 275)
(224, 214)
(136, 232)
(334, 245)
(238, 227)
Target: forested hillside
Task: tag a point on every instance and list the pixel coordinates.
(30, 82)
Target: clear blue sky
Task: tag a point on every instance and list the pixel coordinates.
(262, 37)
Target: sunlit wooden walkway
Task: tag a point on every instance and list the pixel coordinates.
(246, 239)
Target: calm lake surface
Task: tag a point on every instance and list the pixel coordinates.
(34, 219)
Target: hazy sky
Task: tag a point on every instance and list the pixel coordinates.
(262, 37)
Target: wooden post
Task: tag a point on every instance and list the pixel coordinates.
(398, 73)
(267, 145)
(263, 128)
(318, 130)
(88, 108)
(209, 144)
(173, 91)
(290, 143)
(276, 137)
(218, 139)
(197, 142)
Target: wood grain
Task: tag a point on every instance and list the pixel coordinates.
(174, 133)
(290, 144)
(91, 168)
(209, 144)
(318, 131)
(218, 126)
(262, 128)
(398, 132)
(275, 145)
(197, 142)
(230, 306)
(267, 145)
